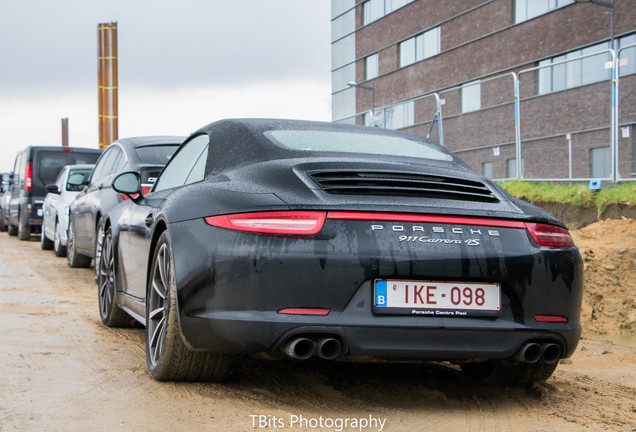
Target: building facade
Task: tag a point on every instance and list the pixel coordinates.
(522, 86)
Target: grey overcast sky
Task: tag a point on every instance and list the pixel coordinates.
(182, 64)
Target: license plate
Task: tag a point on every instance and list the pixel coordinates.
(436, 298)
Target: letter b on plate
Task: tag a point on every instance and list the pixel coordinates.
(380, 293)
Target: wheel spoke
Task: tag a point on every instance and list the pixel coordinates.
(155, 312)
(162, 266)
(158, 290)
(156, 339)
(106, 297)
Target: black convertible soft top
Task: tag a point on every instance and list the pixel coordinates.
(254, 140)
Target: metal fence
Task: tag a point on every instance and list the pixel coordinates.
(566, 119)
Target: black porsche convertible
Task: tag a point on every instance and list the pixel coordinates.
(306, 239)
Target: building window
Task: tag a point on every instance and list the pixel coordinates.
(343, 51)
(341, 77)
(528, 9)
(373, 10)
(394, 117)
(338, 7)
(486, 169)
(371, 67)
(420, 47)
(576, 71)
(600, 162)
(627, 56)
(343, 25)
(471, 96)
(343, 104)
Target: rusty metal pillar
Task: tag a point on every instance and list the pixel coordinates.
(114, 84)
(65, 132)
(107, 84)
(100, 84)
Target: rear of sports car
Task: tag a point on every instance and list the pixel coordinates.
(391, 248)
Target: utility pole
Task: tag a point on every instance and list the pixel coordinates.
(107, 83)
(65, 132)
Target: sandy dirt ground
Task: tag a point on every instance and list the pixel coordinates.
(62, 370)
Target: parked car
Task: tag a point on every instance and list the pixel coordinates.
(34, 168)
(4, 188)
(59, 196)
(310, 239)
(147, 155)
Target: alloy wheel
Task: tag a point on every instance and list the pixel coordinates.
(105, 276)
(158, 304)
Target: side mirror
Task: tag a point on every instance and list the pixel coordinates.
(129, 184)
(76, 182)
(51, 188)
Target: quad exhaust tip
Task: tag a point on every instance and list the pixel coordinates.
(303, 348)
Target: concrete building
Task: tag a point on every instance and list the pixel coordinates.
(410, 59)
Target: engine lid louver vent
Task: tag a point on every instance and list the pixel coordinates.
(401, 184)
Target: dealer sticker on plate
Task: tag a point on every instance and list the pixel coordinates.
(437, 298)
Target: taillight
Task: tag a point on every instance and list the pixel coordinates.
(29, 177)
(144, 191)
(550, 235)
(281, 222)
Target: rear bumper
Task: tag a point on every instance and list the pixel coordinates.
(362, 333)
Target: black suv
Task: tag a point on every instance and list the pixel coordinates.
(34, 168)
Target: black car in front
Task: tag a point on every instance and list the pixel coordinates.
(147, 155)
(342, 242)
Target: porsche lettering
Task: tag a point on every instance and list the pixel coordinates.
(487, 232)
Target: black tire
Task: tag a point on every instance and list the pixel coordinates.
(109, 311)
(45, 243)
(24, 229)
(167, 356)
(99, 238)
(503, 373)
(13, 230)
(58, 249)
(3, 225)
(73, 258)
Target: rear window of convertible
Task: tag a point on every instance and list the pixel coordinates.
(350, 142)
(156, 154)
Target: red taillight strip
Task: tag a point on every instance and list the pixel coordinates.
(404, 217)
(550, 318)
(311, 222)
(300, 311)
(550, 235)
(278, 222)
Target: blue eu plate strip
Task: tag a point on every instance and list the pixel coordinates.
(380, 293)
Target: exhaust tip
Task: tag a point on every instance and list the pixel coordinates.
(328, 348)
(299, 348)
(529, 353)
(551, 353)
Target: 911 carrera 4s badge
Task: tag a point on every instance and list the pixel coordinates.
(437, 234)
(436, 298)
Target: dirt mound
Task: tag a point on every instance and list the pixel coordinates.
(608, 249)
